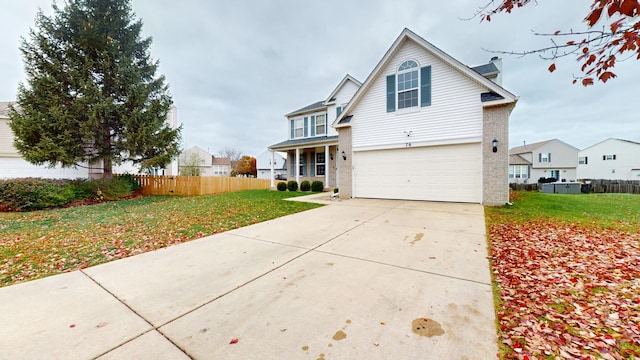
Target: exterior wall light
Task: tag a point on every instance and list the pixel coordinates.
(344, 156)
(495, 145)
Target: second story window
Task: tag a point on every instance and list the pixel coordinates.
(544, 157)
(408, 83)
(608, 157)
(320, 125)
(299, 128)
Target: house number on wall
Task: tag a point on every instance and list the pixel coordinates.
(407, 144)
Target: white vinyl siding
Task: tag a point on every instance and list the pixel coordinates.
(625, 165)
(434, 173)
(455, 114)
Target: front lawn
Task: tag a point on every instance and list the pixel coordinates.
(567, 276)
(48, 242)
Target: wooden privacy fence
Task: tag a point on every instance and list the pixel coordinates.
(197, 185)
(595, 186)
(615, 186)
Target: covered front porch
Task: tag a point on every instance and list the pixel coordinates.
(310, 159)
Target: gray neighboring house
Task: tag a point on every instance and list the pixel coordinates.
(545, 159)
(263, 165)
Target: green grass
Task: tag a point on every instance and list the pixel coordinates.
(42, 243)
(616, 211)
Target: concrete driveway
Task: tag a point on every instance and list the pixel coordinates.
(357, 279)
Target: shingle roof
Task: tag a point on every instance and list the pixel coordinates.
(527, 148)
(220, 161)
(488, 96)
(313, 140)
(486, 69)
(315, 106)
(518, 160)
(345, 120)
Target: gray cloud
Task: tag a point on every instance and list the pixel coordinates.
(235, 68)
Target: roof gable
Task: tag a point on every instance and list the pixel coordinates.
(611, 139)
(342, 83)
(534, 146)
(502, 95)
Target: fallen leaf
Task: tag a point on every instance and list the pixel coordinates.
(234, 341)
(102, 324)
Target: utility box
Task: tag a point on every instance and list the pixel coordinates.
(548, 188)
(567, 188)
(562, 188)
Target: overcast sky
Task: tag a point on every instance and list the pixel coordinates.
(236, 67)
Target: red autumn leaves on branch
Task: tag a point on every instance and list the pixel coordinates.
(598, 47)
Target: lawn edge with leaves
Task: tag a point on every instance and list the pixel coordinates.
(49, 242)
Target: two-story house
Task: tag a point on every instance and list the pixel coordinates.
(205, 164)
(312, 144)
(545, 159)
(423, 126)
(611, 159)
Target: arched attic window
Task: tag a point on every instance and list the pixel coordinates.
(409, 87)
(408, 84)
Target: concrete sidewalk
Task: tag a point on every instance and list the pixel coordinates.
(357, 279)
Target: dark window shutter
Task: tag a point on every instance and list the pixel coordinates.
(306, 126)
(391, 93)
(539, 157)
(313, 126)
(313, 164)
(604, 157)
(293, 131)
(614, 157)
(303, 163)
(549, 157)
(586, 160)
(326, 123)
(425, 86)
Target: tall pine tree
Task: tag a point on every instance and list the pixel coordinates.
(92, 94)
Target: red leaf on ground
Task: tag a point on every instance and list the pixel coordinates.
(234, 341)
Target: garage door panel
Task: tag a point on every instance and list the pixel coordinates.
(438, 173)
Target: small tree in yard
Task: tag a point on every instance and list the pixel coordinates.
(91, 92)
(192, 165)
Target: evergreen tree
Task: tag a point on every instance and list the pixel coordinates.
(92, 94)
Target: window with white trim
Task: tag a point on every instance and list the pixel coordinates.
(299, 127)
(320, 164)
(321, 127)
(608, 157)
(583, 160)
(545, 157)
(518, 172)
(408, 84)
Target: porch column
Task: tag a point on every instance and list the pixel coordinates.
(297, 165)
(337, 168)
(327, 168)
(273, 183)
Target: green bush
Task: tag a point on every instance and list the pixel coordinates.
(35, 193)
(282, 186)
(317, 186)
(131, 180)
(292, 185)
(305, 186)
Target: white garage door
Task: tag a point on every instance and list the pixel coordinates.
(436, 173)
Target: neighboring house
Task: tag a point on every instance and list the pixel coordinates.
(12, 165)
(311, 143)
(544, 159)
(424, 126)
(209, 165)
(263, 165)
(612, 159)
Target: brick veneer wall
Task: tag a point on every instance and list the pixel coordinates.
(495, 166)
(344, 166)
